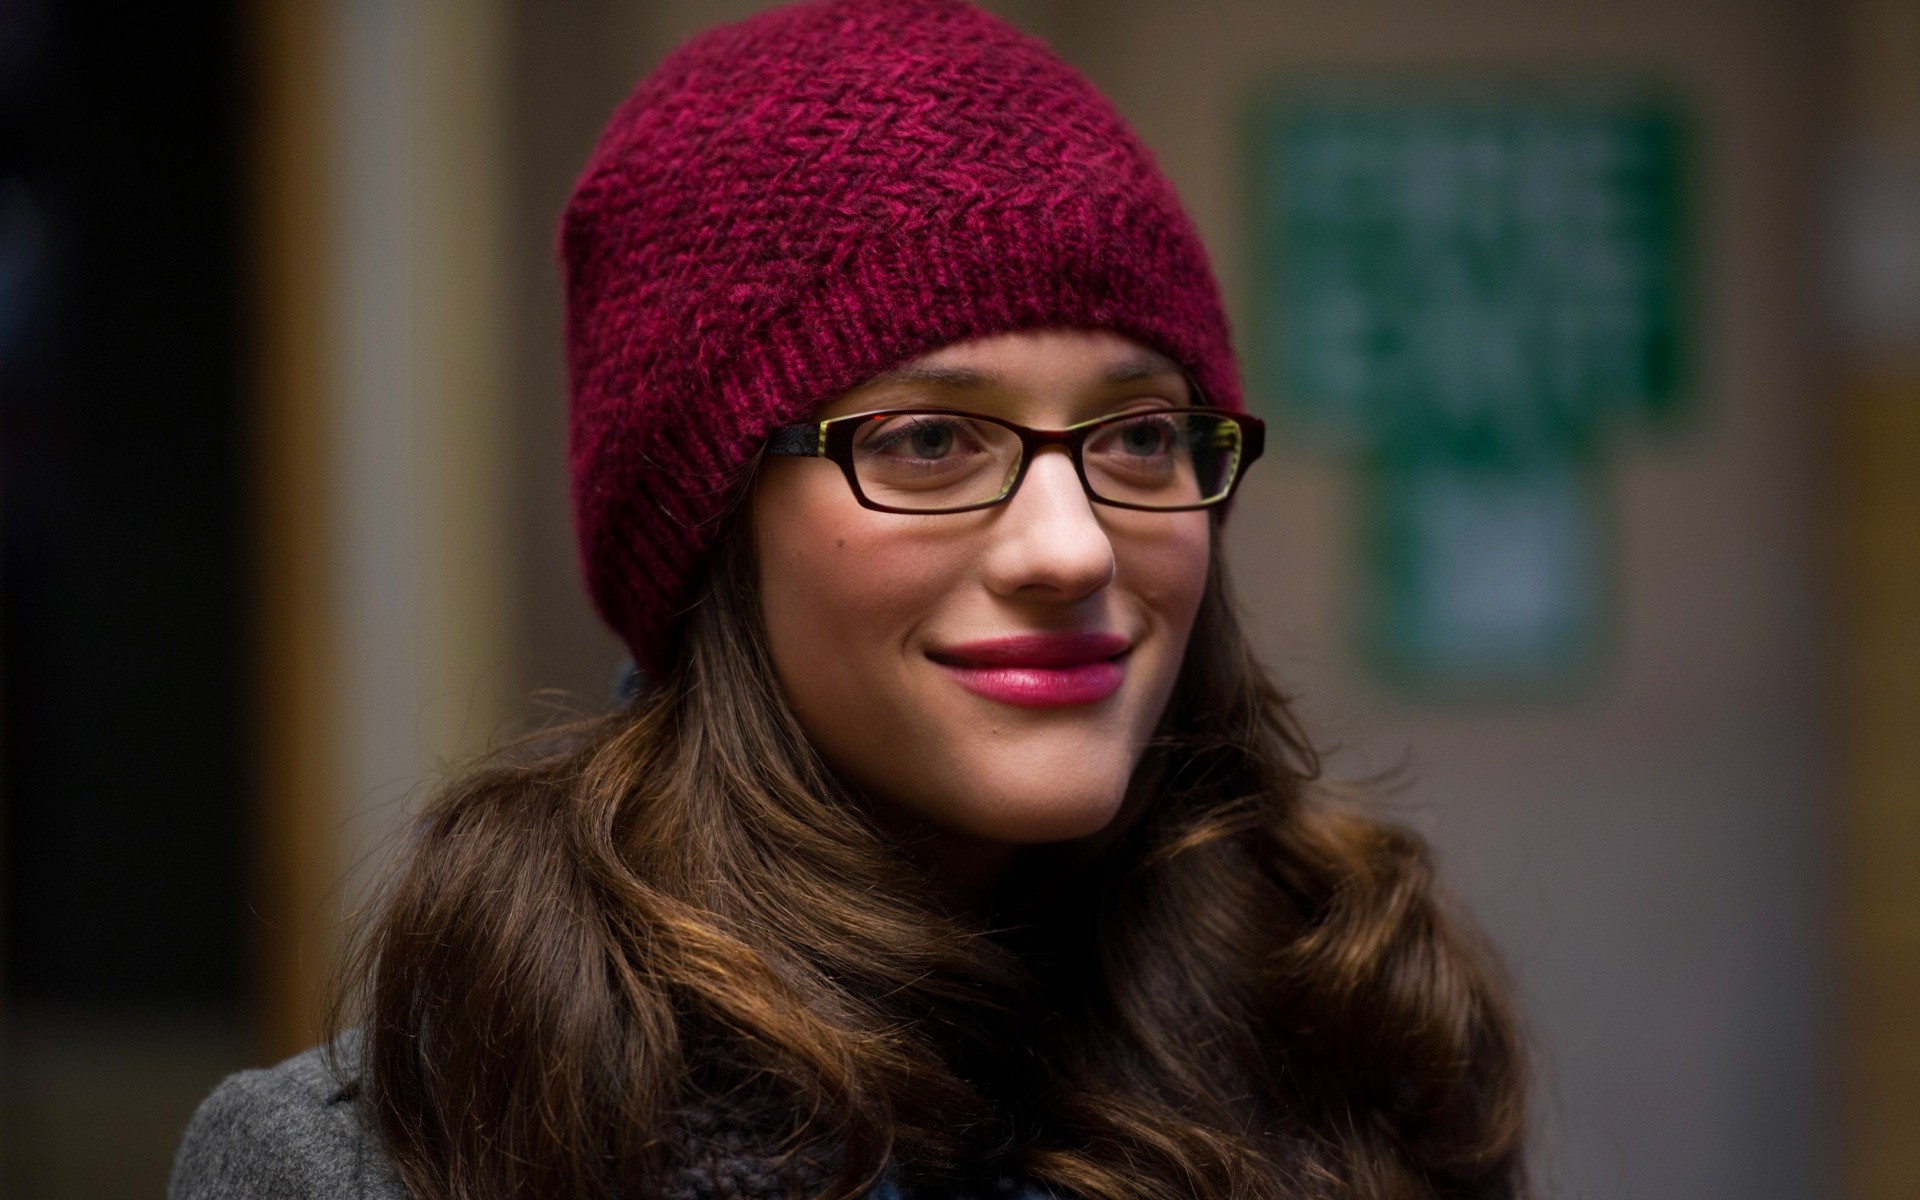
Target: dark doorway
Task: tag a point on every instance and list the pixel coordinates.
(124, 628)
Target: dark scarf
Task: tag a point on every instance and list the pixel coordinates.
(722, 1150)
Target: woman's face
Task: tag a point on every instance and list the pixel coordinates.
(993, 674)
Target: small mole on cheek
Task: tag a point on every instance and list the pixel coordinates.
(840, 542)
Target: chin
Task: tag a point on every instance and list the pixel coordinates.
(1020, 816)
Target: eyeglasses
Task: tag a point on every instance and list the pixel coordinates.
(936, 460)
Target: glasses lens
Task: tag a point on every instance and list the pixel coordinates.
(933, 460)
(1165, 458)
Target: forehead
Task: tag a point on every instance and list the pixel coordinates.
(1034, 350)
(1053, 367)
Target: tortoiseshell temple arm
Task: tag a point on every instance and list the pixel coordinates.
(797, 441)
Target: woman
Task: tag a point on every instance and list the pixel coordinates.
(953, 842)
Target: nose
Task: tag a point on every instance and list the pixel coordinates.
(1048, 542)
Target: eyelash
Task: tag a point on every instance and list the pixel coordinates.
(882, 442)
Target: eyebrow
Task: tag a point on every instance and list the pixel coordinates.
(954, 377)
(1143, 365)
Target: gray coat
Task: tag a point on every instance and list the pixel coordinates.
(290, 1132)
(287, 1132)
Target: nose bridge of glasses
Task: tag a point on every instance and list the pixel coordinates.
(1068, 442)
(1039, 439)
(1069, 474)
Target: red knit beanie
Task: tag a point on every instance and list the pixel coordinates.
(794, 204)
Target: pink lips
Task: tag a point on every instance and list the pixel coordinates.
(1039, 670)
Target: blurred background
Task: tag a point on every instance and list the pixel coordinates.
(1591, 333)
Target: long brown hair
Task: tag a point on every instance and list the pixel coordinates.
(1245, 989)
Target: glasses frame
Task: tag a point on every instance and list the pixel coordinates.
(832, 439)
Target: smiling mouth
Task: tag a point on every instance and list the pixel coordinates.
(1039, 670)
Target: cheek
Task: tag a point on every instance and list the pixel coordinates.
(848, 597)
(1167, 573)
(841, 593)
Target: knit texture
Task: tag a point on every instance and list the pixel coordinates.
(291, 1131)
(794, 204)
(297, 1131)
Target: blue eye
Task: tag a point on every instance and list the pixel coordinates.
(1147, 436)
(929, 440)
(918, 437)
(1150, 435)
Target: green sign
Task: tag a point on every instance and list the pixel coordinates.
(1487, 575)
(1467, 289)
(1449, 263)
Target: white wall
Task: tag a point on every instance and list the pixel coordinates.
(1651, 858)
(420, 405)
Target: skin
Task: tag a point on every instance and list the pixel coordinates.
(854, 600)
